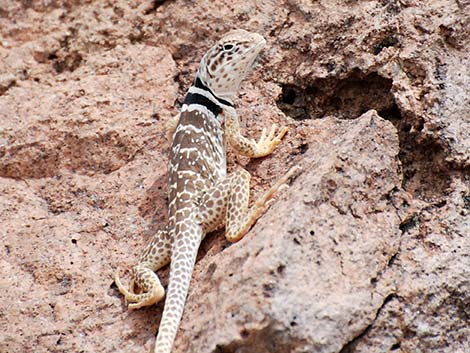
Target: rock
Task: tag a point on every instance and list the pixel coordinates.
(6, 81)
(313, 280)
(368, 251)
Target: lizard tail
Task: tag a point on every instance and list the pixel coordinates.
(183, 256)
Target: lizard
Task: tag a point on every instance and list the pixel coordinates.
(202, 196)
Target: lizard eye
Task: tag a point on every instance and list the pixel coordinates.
(228, 47)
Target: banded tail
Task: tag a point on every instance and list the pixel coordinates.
(184, 254)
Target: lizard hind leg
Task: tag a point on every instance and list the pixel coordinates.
(240, 218)
(156, 255)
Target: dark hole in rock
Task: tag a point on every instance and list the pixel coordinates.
(289, 95)
(244, 333)
(425, 173)
(389, 41)
(345, 98)
(392, 113)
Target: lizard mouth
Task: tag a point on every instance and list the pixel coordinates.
(256, 49)
(255, 62)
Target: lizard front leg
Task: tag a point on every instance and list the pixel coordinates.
(156, 255)
(170, 127)
(249, 147)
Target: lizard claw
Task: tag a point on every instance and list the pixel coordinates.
(267, 143)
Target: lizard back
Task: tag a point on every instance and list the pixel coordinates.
(199, 191)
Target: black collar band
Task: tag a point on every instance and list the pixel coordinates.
(196, 98)
(199, 84)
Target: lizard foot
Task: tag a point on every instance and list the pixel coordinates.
(268, 142)
(149, 297)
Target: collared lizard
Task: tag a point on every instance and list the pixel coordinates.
(202, 196)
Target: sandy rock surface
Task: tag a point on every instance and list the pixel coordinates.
(368, 250)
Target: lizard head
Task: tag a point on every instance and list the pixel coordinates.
(226, 64)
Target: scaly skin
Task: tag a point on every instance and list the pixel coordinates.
(202, 197)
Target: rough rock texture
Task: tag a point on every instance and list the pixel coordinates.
(368, 251)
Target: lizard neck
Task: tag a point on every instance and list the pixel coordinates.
(200, 96)
(224, 99)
